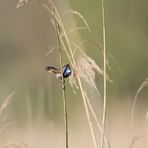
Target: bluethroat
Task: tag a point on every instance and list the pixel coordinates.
(57, 71)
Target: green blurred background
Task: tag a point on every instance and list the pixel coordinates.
(27, 33)
(126, 38)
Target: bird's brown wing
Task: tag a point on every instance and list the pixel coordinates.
(53, 70)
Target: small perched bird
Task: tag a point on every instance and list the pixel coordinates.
(57, 71)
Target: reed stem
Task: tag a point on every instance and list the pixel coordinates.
(63, 87)
(104, 80)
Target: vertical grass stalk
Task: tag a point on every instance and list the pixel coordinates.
(104, 80)
(5, 103)
(57, 29)
(87, 113)
(66, 44)
(142, 86)
(63, 86)
(96, 119)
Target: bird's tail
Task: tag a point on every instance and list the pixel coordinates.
(49, 68)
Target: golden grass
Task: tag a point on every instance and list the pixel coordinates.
(84, 69)
(142, 86)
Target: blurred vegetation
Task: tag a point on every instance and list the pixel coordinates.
(26, 34)
(126, 35)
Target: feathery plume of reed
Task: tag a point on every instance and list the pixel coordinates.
(86, 70)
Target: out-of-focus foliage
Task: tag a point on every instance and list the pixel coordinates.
(126, 36)
(28, 44)
(26, 34)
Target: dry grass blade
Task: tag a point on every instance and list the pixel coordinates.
(146, 128)
(73, 62)
(85, 71)
(104, 80)
(77, 29)
(66, 38)
(6, 102)
(16, 144)
(21, 3)
(90, 60)
(3, 106)
(63, 88)
(57, 29)
(142, 86)
(80, 16)
(50, 50)
(136, 138)
(58, 20)
(86, 68)
(96, 119)
(66, 45)
(87, 113)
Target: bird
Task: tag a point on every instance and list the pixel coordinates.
(66, 70)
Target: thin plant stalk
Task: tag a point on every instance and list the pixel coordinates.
(79, 81)
(137, 137)
(96, 119)
(146, 128)
(63, 88)
(104, 80)
(66, 44)
(142, 86)
(6, 102)
(87, 113)
(57, 29)
(58, 20)
(72, 61)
